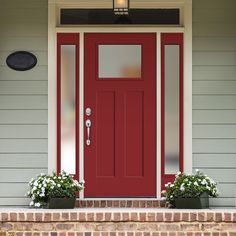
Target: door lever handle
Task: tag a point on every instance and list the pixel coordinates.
(88, 124)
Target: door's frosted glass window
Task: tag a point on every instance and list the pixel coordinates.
(119, 61)
(172, 109)
(68, 68)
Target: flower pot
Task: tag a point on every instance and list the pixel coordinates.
(193, 203)
(61, 203)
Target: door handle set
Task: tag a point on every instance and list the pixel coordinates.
(88, 125)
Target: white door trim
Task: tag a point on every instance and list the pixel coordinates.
(52, 82)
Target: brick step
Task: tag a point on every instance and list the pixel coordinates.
(120, 203)
(117, 222)
(116, 233)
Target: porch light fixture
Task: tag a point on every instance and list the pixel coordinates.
(121, 7)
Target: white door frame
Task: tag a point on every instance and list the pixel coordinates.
(52, 82)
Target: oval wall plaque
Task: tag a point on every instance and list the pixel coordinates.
(21, 60)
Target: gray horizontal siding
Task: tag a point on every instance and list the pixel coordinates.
(216, 45)
(214, 87)
(13, 189)
(206, 102)
(35, 43)
(25, 160)
(28, 29)
(214, 146)
(19, 175)
(37, 73)
(213, 131)
(219, 72)
(23, 87)
(208, 58)
(23, 4)
(14, 201)
(215, 29)
(222, 202)
(211, 160)
(9, 117)
(214, 116)
(23, 99)
(23, 102)
(23, 145)
(214, 95)
(23, 131)
(214, 16)
(24, 15)
(223, 5)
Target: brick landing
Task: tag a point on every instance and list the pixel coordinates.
(120, 203)
(117, 222)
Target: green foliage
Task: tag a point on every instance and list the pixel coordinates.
(44, 187)
(190, 186)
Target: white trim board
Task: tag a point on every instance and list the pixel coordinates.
(54, 5)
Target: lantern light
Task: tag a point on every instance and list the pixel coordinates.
(121, 7)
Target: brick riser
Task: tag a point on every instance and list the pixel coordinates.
(120, 203)
(129, 223)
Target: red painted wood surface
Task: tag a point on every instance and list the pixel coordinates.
(67, 39)
(121, 160)
(171, 39)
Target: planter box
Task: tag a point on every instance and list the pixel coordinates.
(201, 202)
(61, 203)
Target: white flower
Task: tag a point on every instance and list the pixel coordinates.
(195, 183)
(31, 203)
(212, 182)
(37, 204)
(182, 188)
(58, 185)
(204, 182)
(36, 183)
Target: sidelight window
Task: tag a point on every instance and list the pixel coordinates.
(172, 105)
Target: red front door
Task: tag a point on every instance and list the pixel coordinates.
(120, 126)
